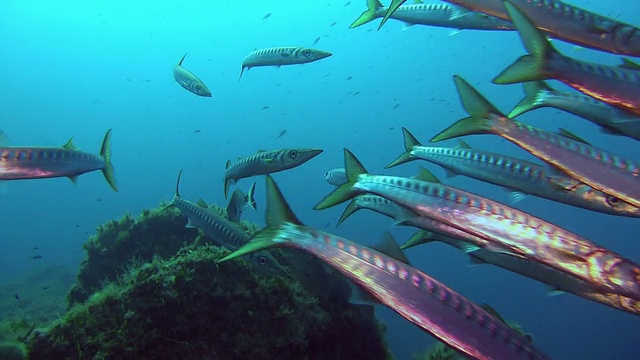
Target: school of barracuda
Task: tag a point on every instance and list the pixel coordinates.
(575, 173)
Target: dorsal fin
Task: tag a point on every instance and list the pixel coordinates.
(389, 247)
(69, 145)
(493, 312)
(569, 135)
(426, 175)
(181, 60)
(463, 145)
(202, 203)
(629, 64)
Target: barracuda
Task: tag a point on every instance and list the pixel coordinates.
(569, 23)
(611, 174)
(189, 80)
(558, 281)
(417, 297)
(19, 163)
(519, 176)
(266, 162)
(278, 56)
(617, 86)
(222, 231)
(435, 14)
(522, 234)
(612, 120)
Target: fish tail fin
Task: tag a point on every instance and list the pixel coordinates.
(344, 192)
(409, 142)
(178, 183)
(528, 67)
(278, 210)
(418, 238)
(395, 4)
(251, 200)
(181, 60)
(241, 72)
(533, 93)
(477, 106)
(348, 211)
(368, 15)
(108, 170)
(227, 182)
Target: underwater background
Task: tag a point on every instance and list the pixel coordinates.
(77, 68)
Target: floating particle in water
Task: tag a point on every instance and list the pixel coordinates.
(266, 16)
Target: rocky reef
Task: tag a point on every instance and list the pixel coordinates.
(151, 289)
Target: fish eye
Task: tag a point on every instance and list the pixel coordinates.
(612, 201)
(293, 154)
(306, 53)
(262, 260)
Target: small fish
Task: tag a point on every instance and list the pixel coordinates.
(189, 81)
(396, 106)
(336, 177)
(36, 247)
(333, 24)
(266, 16)
(197, 131)
(612, 120)
(349, 77)
(386, 276)
(432, 14)
(278, 56)
(18, 163)
(503, 227)
(36, 257)
(265, 107)
(601, 170)
(239, 201)
(566, 22)
(16, 296)
(222, 231)
(45, 287)
(281, 134)
(316, 41)
(266, 162)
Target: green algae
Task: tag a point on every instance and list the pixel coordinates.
(151, 289)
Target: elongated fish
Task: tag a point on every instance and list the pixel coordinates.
(434, 14)
(222, 231)
(239, 201)
(567, 22)
(414, 295)
(617, 86)
(266, 162)
(17, 162)
(595, 167)
(190, 81)
(522, 234)
(539, 94)
(336, 177)
(519, 176)
(278, 56)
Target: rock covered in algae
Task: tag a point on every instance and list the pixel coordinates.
(186, 306)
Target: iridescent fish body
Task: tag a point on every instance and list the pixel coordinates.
(519, 176)
(609, 173)
(539, 94)
(522, 234)
(434, 14)
(617, 86)
(266, 162)
(414, 295)
(223, 231)
(278, 56)
(558, 281)
(18, 162)
(567, 22)
(189, 80)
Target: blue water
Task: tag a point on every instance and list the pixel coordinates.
(77, 68)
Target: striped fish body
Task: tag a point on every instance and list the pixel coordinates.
(266, 162)
(189, 80)
(279, 56)
(46, 162)
(445, 15)
(521, 233)
(417, 297)
(617, 121)
(569, 23)
(524, 176)
(225, 233)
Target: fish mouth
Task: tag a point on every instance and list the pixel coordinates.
(311, 153)
(323, 54)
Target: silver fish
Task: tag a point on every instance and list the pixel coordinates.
(336, 177)
(189, 81)
(239, 201)
(278, 56)
(266, 162)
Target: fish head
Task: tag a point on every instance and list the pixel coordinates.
(294, 157)
(313, 54)
(614, 204)
(626, 40)
(265, 262)
(201, 89)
